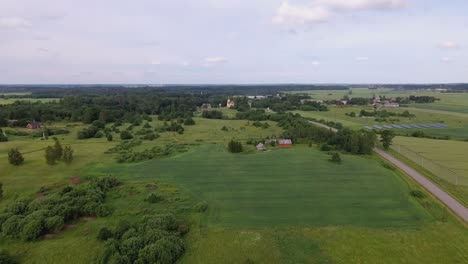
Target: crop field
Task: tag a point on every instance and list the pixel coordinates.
(457, 122)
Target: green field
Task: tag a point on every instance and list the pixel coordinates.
(279, 206)
(259, 190)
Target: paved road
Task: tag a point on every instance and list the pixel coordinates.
(448, 200)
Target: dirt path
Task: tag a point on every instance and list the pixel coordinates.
(445, 198)
(324, 126)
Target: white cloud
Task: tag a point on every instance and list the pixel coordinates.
(185, 63)
(449, 45)
(316, 63)
(300, 15)
(13, 22)
(323, 10)
(362, 4)
(362, 58)
(215, 60)
(446, 59)
(155, 62)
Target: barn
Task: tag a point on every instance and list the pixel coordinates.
(285, 143)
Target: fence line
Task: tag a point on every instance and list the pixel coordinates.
(437, 169)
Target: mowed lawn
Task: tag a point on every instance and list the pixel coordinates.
(288, 187)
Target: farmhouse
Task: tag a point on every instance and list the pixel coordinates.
(230, 103)
(285, 143)
(261, 146)
(205, 106)
(34, 125)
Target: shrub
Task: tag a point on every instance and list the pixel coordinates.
(154, 198)
(224, 128)
(12, 226)
(326, 147)
(54, 224)
(201, 207)
(32, 229)
(336, 157)
(6, 258)
(50, 155)
(1, 190)
(125, 135)
(109, 137)
(15, 157)
(235, 146)
(99, 134)
(147, 125)
(68, 155)
(418, 194)
(3, 137)
(104, 234)
(189, 121)
(212, 114)
(58, 149)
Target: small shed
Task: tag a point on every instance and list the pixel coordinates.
(261, 146)
(34, 125)
(285, 143)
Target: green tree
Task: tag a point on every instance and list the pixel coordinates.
(124, 135)
(109, 137)
(68, 155)
(58, 149)
(1, 190)
(15, 157)
(386, 137)
(50, 155)
(336, 157)
(235, 146)
(189, 121)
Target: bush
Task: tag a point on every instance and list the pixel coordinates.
(336, 157)
(109, 137)
(3, 137)
(12, 226)
(189, 121)
(32, 229)
(104, 234)
(201, 207)
(68, 155)
(54, 224)
(224, 128)
(6, 258)
(212, 114)
(125, 135)
(50, 155)
(1, 191)
(154, 198)
(15, 157)
(418, 194)
(235, 146)
(326, 147)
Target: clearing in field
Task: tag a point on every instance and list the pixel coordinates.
(291, 187)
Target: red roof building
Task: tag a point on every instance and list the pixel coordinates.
(285, 143)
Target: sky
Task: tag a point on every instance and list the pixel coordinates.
(233, 41)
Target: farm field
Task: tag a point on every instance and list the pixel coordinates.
(457, 122)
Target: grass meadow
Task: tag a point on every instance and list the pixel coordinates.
(279, 206)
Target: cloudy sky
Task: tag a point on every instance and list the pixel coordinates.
(233, 41)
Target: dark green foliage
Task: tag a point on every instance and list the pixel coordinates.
(126, 135)
(326, 147)
(388, 166)
(67, 155)
(382, 115)
(224, 128)
(189, 121)
(1, 190)
(422, 99)
(154, 239)
(15, 157)
(235, 146)
(109, 137)
(104, 234)
(99, 124)
(58, 149)
(89, 132)
(260, 124)
(49, 155)
(99, 134)
(386, 137)
(253, 115)
(335, 157)
(29, 220)
(154, 198)
(355, 142)
(418, 194)
(212, 114)
(147, 125)
(6, 258)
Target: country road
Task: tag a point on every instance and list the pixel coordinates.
(444, 197)
(448, 200)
